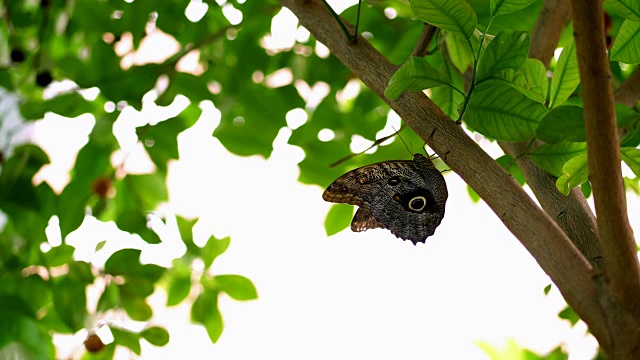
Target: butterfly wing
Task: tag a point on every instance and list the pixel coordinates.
(404, 196)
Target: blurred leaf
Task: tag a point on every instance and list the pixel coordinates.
(110, 298)
(562, 124)
(415, 75)
(251, 119)
(179, 288)
(565, 76)
(547, 289)
(205, 311)
(70, 302)
(16, 189)
(213, 248)
(127, 339)
(156, 335)
(552, 157)
(569, 314)
(473, 195)
(68, 105)
(127, 262)
(59, 255)
(161, 140)
(631, 157)
(150, 189)
(498, 111)
(451, 15)
(137, 308)
(628, 9)
(508, 50)
(626, 48)
(503, 7)
(338, 218)
(236, 286)
(137, 287)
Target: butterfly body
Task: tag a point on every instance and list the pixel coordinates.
(405, 196)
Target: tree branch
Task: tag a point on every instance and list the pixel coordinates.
(542, 237)
(554, 16)
(617, 242)
(629, 92)
(572, 213)
(422, 46)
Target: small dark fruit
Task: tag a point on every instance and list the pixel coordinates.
(101, 187)
(93, 344)
(17, 55)
(44, 78)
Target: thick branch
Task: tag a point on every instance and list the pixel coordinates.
(572, 213)
(629, 92)
(617, 241)
(538, 233)
(555, 14)
(422, 46)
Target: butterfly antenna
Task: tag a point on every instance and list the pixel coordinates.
(401, 139)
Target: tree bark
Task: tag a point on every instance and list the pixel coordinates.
(622, 281)
(572, 213)
(542, 237)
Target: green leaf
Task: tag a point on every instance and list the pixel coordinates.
(110, 298)
(631, 157)
(137, 308)
(213, 248)
(473, 195)
(59, 255)
(452, 15)
(338, 218)
(69, 105)
(137, 286)
(447, 99)
(156, 335)
(508, 50)
(70, 303)
(565, 76)
(161, 140)
(626, 48)
(569, 314)
(205, 311)
(628, 9)
(149, 189)
(415, 75)
(503, 7)
(547, 289)
(498, 111)
(30, 339)
(459, 52)
(552, 157)
(562, 124)
(127, 262)
(576, 171)
(507, 162)
(536, 80)
(179, 288)
(531, 80)
(127, 339)
(236, 286)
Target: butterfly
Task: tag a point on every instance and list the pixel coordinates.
(407, 197)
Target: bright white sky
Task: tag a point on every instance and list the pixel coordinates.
(351, 296)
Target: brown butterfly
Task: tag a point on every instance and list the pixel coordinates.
(405, 196)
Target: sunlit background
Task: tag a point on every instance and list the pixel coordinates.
(361, 296)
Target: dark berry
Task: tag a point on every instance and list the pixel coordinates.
(101, 187)
(17, 55)
(93, 344)
(44, 78)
